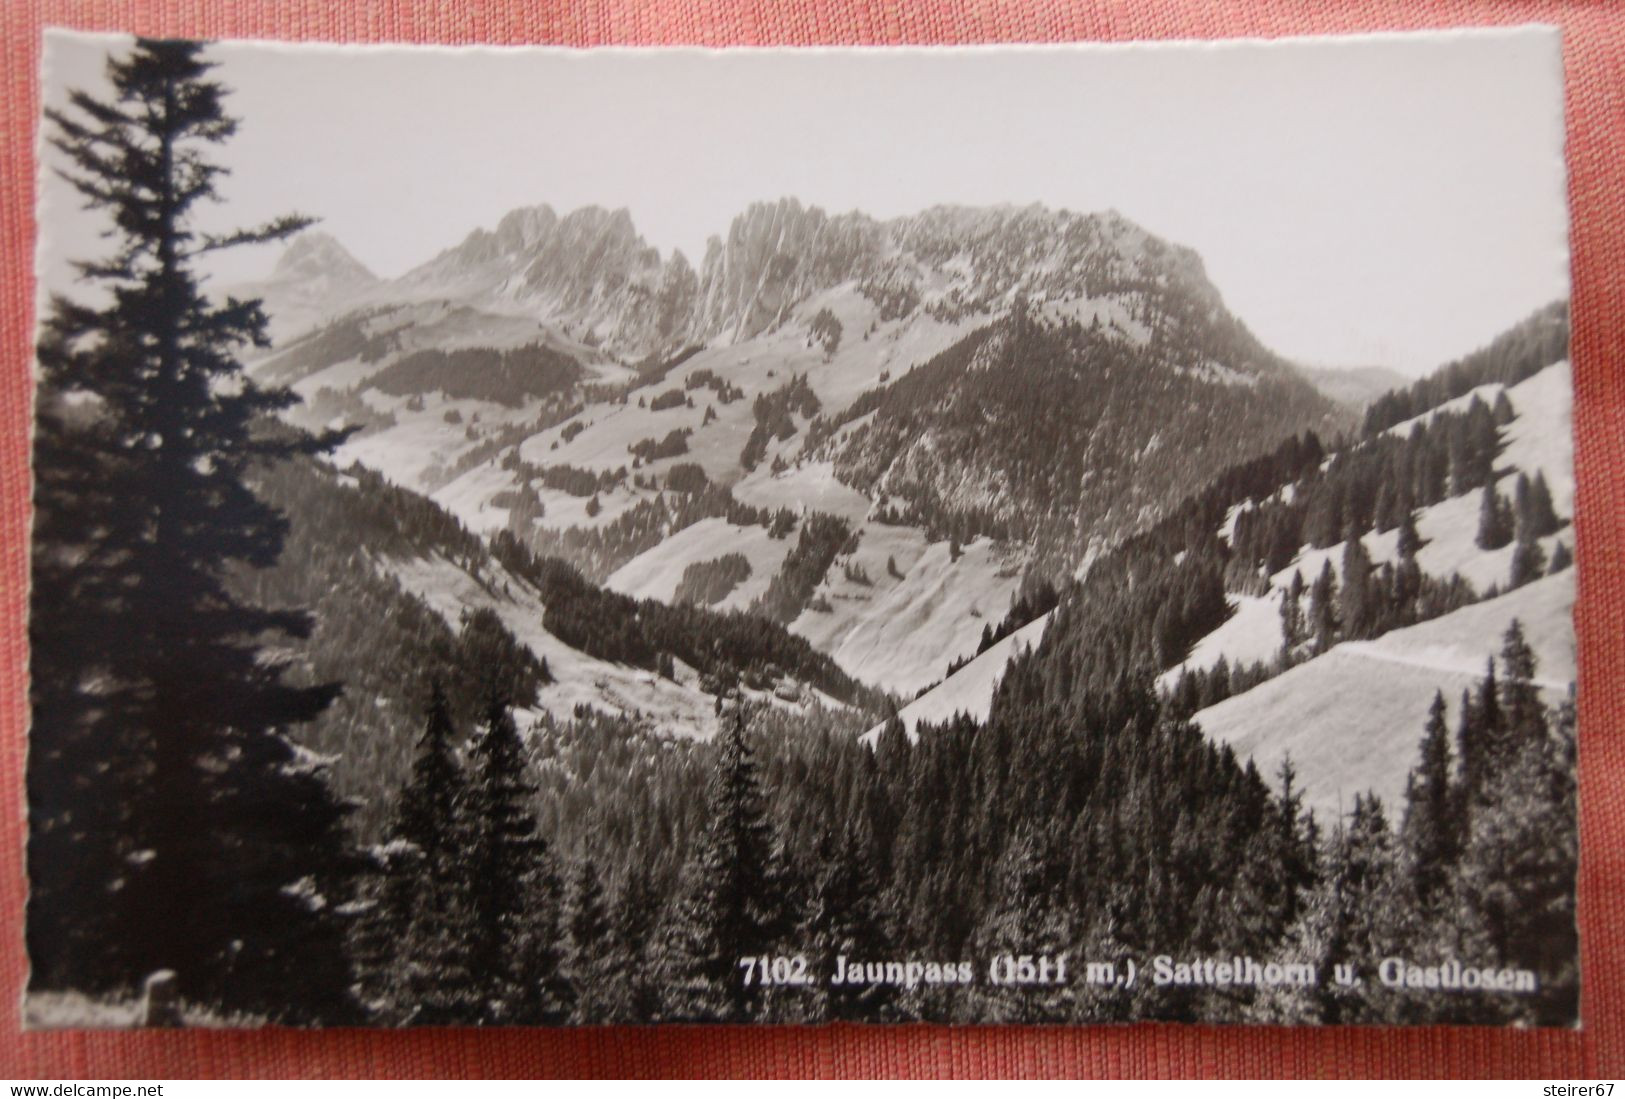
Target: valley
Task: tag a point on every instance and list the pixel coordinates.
(980, 396)
(879, 434)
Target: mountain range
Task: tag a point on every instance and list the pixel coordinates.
(974, 398)
(591, 273)
(879, 440)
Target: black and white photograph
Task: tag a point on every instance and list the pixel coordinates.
(1047, 534)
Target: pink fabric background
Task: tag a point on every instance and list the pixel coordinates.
(1594, 43)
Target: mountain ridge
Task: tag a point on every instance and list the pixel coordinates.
(598, 280)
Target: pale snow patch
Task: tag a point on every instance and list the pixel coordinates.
(1252, 633)
(1227, 529)
(970, 689)
(655, 573)
(902, 634)
(1352, 718)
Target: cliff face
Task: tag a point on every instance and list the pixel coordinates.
(774, 256)
(947, 261)
(588, 270)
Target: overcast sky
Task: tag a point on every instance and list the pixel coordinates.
(1388, 201)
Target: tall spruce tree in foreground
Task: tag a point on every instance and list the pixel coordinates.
(175, 825)
(729, 904)
(515, 936)
(427, 903)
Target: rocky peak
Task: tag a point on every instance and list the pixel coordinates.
(589, 250)
(774, 255)
(315, 257)
(314, 279)
(1055, 253)
(523, 229)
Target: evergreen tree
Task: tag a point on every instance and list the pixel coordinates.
(227, 860)
(427, 894)
(1543, 518)
(1410, 541)
(75, 853)
(1532, 507)
(1483, 443)
(1464, 474)
(842, 918)
(1384, 514)
(729, 904)
(1294, 834)
(1354, 916)
(1477, 735)
(1292, 627)
(514, 940)
(1404, 593)
(1502, 411)
(594, 962)
(1521, 504)
(1561, 559)
(1323, 608)
(427, 817)
(1324, 521)
(1523, 716)
(1495, 519)
(1474, 441)
(1528, 563)
(1357, 603)
(1433, 469)
(1517, 877)
(1432, 831)
(634, 918)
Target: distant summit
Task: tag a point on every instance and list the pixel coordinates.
(314, 280)
(315, 256)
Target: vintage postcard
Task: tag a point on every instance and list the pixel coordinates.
(1044, 534)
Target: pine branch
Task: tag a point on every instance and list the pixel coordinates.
(279, 229)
